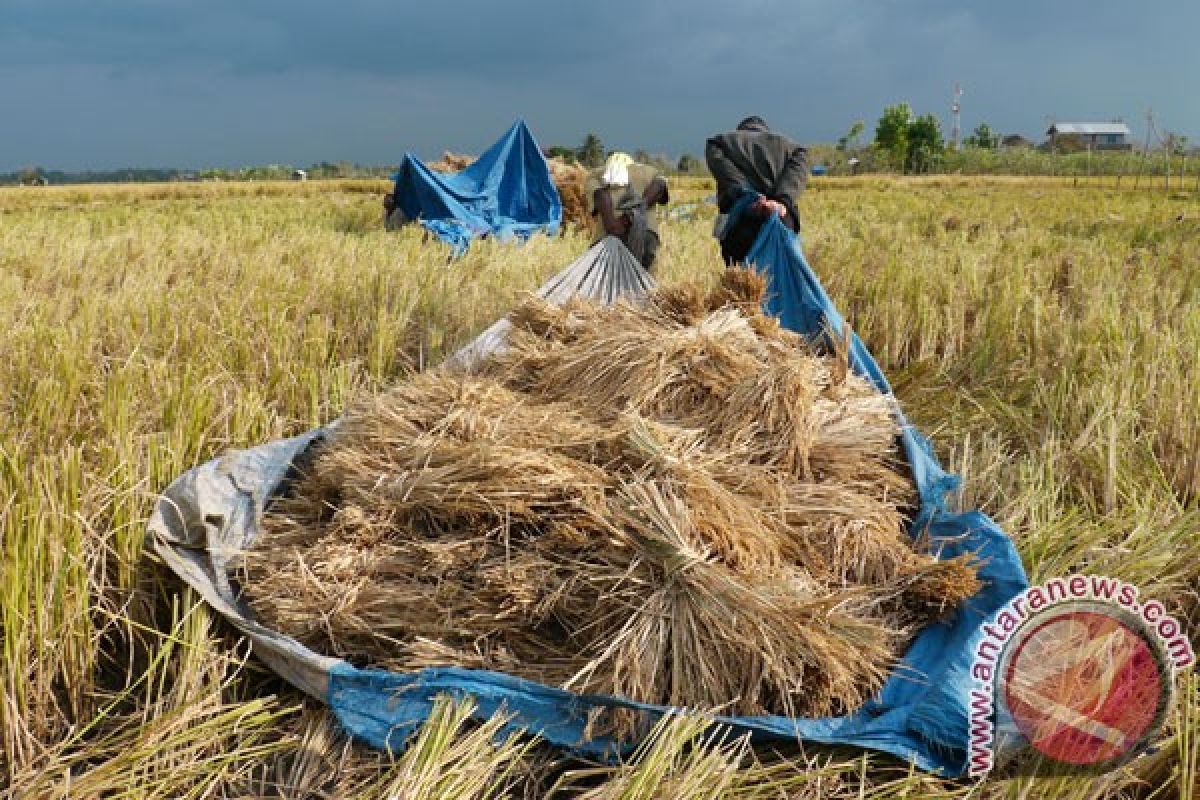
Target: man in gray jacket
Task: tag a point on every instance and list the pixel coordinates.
(758, 173)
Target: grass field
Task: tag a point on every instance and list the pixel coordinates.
(1046, 337)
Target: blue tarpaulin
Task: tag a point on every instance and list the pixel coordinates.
(506, 193)
(921, 714)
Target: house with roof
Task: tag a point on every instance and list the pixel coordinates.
(1092, 135)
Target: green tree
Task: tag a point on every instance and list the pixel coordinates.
(591, 152)
(1175, 144)
(850, 140)
(983, 137)
(912, 144)
(567, 154)
(688, 164)
(891, 133)
(30, 176)
(925, 143)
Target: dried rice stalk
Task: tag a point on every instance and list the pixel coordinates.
(569, 179)
(452, 162)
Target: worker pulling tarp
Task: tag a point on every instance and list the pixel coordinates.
(211, 514)
(506, 193)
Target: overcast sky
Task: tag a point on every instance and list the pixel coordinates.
(191, 83)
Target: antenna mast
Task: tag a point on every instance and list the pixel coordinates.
(956, 107)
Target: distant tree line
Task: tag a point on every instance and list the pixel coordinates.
(592, 153)
(909, 143)
(32, 176)
(903, 142)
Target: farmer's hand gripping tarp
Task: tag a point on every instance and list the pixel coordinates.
(212, 512)
(507, 192)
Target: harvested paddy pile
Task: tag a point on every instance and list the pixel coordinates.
(452, 162)
(570, 179)
(675, 501)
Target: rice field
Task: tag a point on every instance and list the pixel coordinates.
(1046, 337)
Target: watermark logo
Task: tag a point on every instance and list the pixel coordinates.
(1073, 675)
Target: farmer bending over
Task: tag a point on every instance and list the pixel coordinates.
(758, 173)
(621, 198)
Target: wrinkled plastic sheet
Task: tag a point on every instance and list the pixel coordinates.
(211, 513)
(507, 193)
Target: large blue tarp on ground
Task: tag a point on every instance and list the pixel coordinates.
(921, 714)
(506, 193)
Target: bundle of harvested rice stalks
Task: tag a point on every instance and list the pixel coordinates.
(675, 501)
(452, 162)
(569, 179)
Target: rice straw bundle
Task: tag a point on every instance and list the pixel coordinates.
(452, 162)
(678, 502)
(569, 179)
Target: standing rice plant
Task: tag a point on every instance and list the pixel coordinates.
(148, 328)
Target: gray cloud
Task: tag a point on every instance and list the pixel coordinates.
(102, 83)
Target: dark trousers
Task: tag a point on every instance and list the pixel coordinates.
(641, 239)
(740, 238)
(650, 250)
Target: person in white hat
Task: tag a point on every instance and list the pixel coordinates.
(622, 197)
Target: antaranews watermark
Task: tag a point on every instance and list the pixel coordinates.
(1073, 675)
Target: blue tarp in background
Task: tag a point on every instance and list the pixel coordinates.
(921, 714)
(507, 192)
